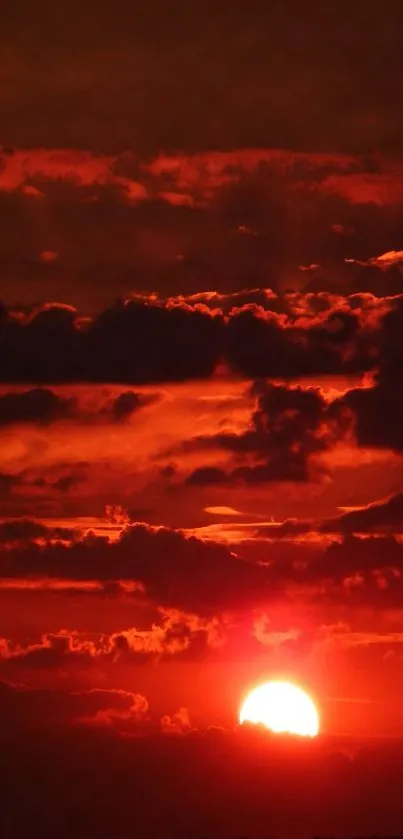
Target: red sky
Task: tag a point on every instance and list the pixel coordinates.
(201, 412)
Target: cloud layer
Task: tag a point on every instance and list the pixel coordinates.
(143, 341)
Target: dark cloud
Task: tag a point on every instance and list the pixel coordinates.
(264, 345)
(377, 412)
(26, 530)
(112, 786)
(130, 342)
(7, 482)
(147, 340)
(351, 570)
(287, 428)
(292, 424)
(366, 572)
(28, 492)
(125, 404)
(30, 709)
(42, 406)
(68, 482)
(202, 577)
(353, 555)
(75, 224)
(206, 475)
(38, 405)
(176, 570)
(380, 517)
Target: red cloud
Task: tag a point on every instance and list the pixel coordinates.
(178, 723)
(134, 711)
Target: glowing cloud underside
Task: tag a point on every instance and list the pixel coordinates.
(281, 707)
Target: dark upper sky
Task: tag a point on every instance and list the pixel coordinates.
(200, 75)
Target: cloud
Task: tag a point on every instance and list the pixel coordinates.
(355, 554)
(287, 428)
(356, 571)
(184, 224)
(122, 773)
(39, 405)
(178, 723)
(384, 516)
(292, 424)
(176, 570)
(340, 636)
(348, 560)
(147, 339)
(188, 223)
(7, 483)
(377, 412)
(133, 711)
(39, 491)
(384, 261)
(43, 406)
(178, 637)
(28, 708)
(27, 530)
(187, 576)
(270, 637)
(124, 405)
(51, 346)
(206, 475)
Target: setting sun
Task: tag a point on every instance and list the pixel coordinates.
(281, 707)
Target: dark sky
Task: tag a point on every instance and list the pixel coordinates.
(202, 75)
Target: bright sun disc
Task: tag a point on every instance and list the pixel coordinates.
(282, 707)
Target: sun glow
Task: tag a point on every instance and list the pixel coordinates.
(281, 707)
